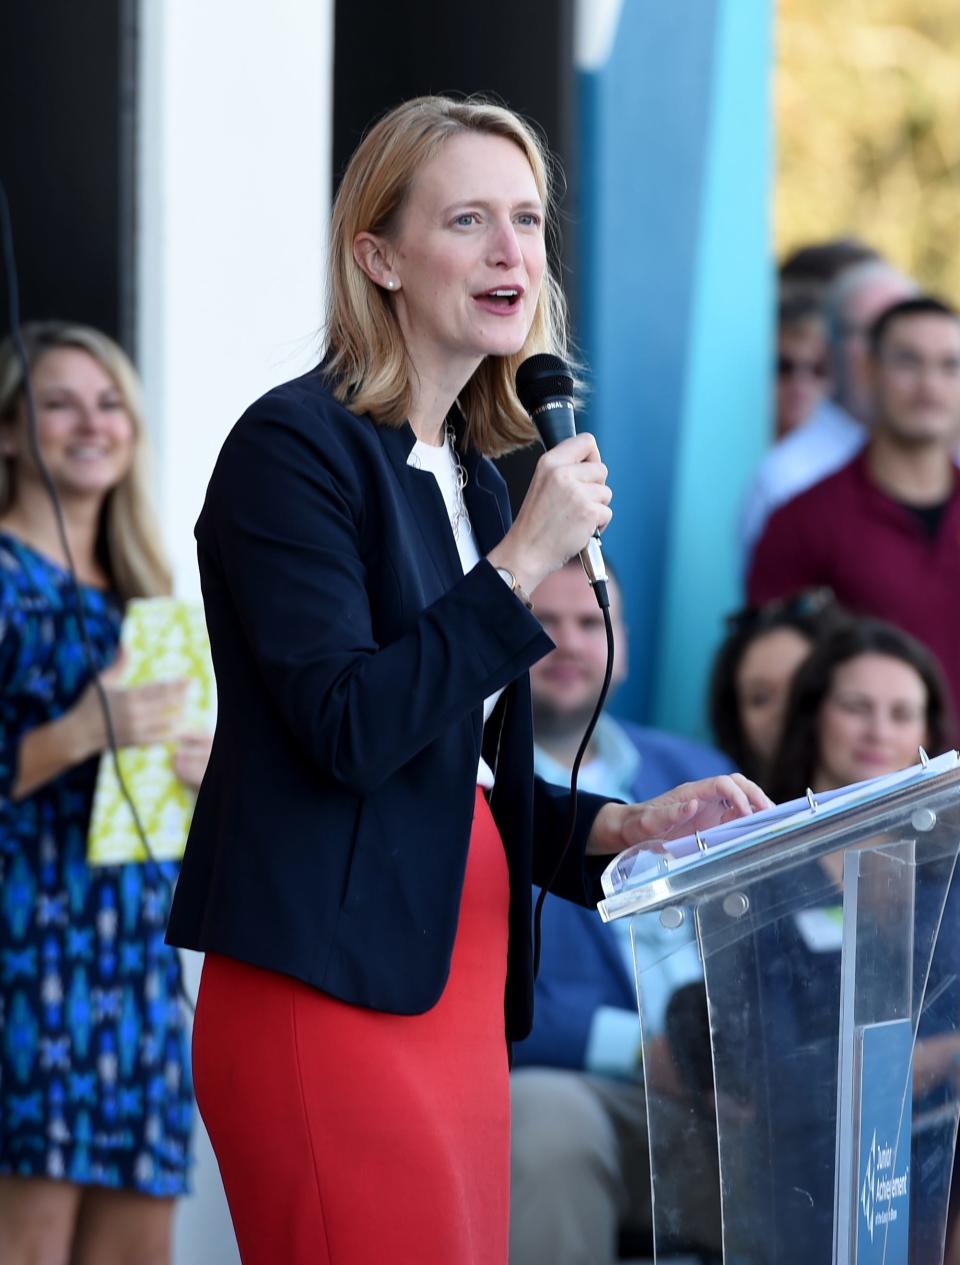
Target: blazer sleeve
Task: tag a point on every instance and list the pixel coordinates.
(281, 523)
(578, 878)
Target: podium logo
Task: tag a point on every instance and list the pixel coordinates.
(868, 1191)
(880, 1189)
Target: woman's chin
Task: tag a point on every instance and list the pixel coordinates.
(508, 340)
(89, 485)
(866, 769)
(502, 348)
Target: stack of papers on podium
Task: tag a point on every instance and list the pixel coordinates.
(638, 864)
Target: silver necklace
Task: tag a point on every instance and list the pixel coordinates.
(459, 518)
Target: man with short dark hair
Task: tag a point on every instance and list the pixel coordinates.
(580, 1165)
(884, 531)
(836, 430)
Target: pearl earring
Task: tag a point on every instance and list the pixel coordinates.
(391, 284)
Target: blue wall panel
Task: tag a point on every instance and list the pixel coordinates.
(725, 420)
(643, 123)
(673, 250)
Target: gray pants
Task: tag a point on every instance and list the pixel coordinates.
(580, 1169)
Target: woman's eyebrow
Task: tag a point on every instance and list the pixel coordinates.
(485, 204)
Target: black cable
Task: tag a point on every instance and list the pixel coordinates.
(574, 775)
(16, 336)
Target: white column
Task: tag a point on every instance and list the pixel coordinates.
(234, 156)
(234, 187)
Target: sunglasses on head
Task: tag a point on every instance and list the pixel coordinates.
(807, 602)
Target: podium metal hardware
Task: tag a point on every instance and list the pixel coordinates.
(700, 843)
(924, 758)
(671, 918)
(736, 904)
(923, 819)
(812, 800)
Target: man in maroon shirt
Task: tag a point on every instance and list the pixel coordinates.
(884, 531)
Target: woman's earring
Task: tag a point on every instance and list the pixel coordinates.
(391, 284)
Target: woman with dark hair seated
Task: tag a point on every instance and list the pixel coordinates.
(754, 667)
(861, 705)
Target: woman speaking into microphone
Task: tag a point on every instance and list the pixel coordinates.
(360, 864)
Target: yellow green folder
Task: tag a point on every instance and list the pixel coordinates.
(165, 638)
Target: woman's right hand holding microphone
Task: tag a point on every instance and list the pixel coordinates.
(567, 501)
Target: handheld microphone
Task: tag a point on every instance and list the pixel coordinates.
(545, 388)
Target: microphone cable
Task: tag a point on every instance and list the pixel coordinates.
(545, 388)
(16, 336)
(571, 823)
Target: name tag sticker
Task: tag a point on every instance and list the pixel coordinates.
(821, 929)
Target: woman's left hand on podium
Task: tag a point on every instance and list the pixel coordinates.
(689, 807)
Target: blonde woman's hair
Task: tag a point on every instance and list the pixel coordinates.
(128, 545)
(365, 351)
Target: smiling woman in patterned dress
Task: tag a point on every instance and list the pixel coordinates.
(95, 1088)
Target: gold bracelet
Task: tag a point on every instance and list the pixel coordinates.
(514, 585)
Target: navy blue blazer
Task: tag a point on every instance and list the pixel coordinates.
(352, 658)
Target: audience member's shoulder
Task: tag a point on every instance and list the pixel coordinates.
(819, 498)
(824, 443)
(704, 760)
(785, 452)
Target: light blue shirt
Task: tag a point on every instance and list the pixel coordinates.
(613, 1045)
(612, 772)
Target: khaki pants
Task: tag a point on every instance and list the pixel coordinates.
(580, 1169)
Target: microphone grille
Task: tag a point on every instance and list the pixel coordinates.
(542, 376)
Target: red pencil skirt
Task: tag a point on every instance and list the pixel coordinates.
(348, 1136)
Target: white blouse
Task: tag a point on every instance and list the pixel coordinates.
(442, 464)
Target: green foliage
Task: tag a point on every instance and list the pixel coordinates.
(868, 118)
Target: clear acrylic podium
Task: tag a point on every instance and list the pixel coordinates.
(813, 1073)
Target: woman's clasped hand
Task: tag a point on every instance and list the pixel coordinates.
(140, 714)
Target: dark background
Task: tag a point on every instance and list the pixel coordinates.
(67, 104)
(68, 100)
(519, 54)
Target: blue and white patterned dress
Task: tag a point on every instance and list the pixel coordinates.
(95, 1082)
